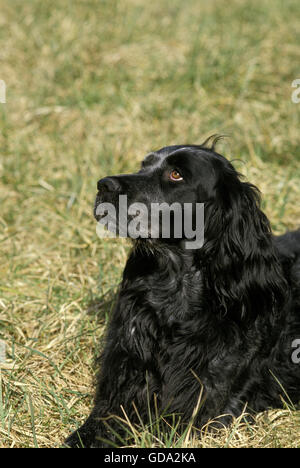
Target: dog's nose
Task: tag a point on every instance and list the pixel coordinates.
(109, 184)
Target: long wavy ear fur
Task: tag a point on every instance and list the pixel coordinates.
(241, 263)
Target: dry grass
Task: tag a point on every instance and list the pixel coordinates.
(91, 87)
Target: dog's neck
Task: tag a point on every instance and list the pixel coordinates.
(164, 278)
(164, 256)
(188, 279)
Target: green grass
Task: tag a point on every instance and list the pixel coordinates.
(92, 86)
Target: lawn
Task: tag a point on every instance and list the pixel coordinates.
(91, 87)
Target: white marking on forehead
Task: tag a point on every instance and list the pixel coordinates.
(152, 158)
(155, 157)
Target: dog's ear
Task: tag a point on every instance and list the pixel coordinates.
(242, 265)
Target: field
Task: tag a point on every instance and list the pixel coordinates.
(91, 87)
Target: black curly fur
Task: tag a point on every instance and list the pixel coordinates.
(223, 317)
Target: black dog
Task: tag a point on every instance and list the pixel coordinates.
(224, 318)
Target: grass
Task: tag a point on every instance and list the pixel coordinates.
(92, 86)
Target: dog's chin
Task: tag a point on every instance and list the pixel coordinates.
(154, 245)
(111, 225)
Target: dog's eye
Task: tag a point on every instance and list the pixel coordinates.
(175, 175)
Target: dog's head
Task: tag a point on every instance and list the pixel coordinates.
(235, 247)
(166, 198)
